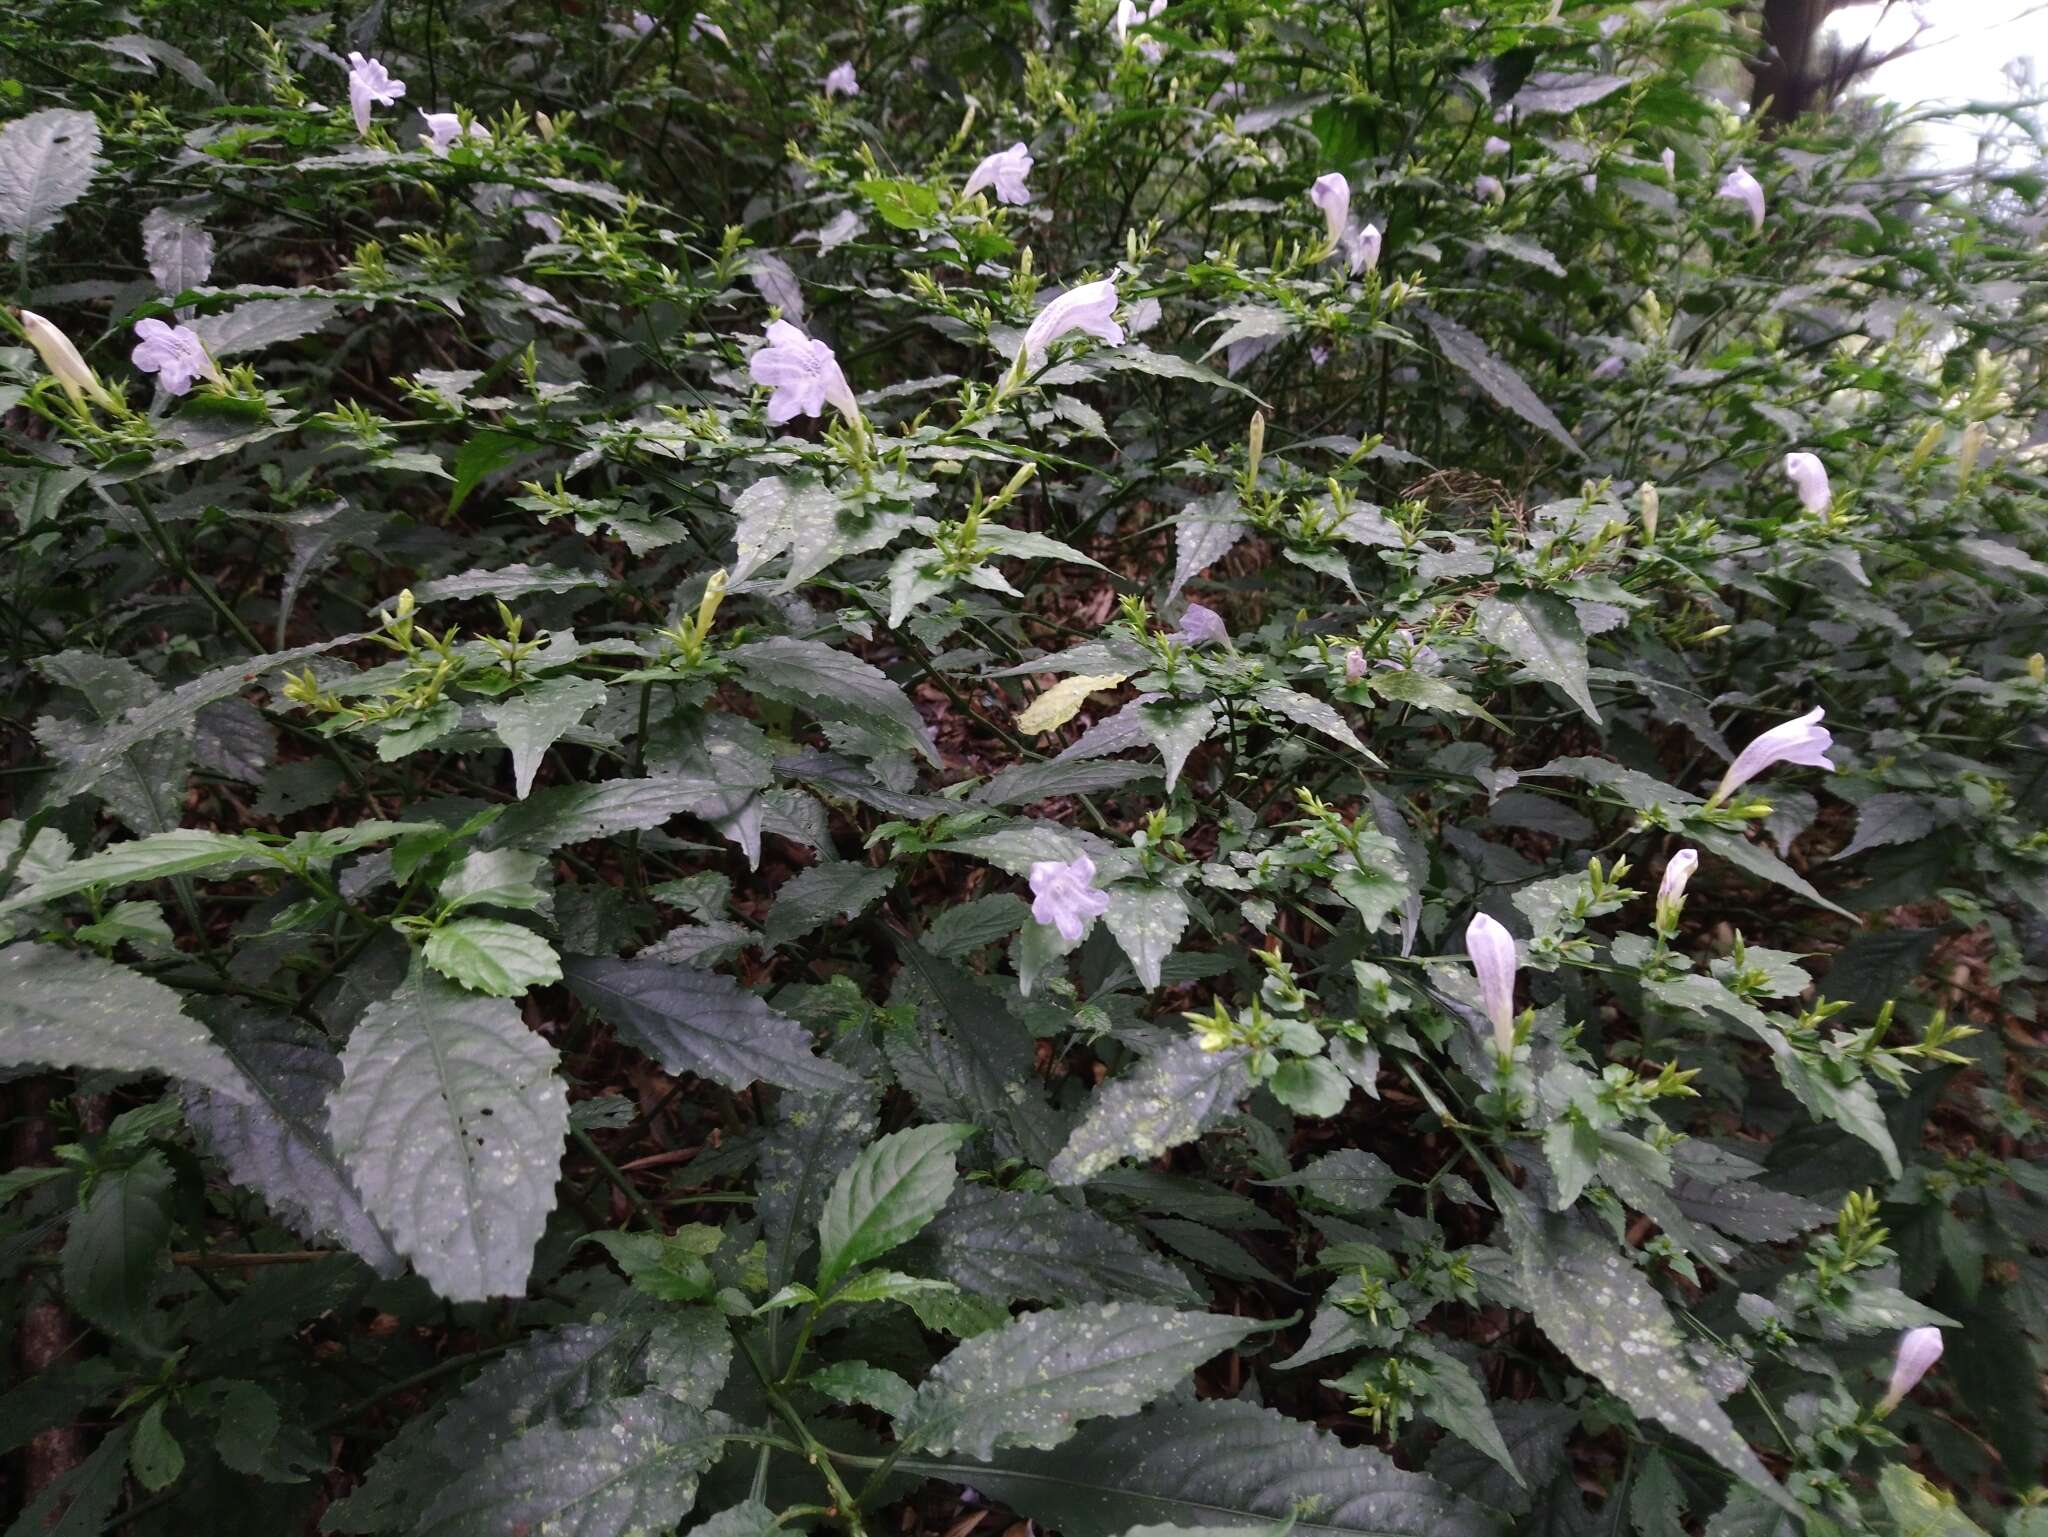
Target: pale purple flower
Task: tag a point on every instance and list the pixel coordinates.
(1005, 171)
(1488, 189)
(1362, 246)
(803, 374)
(1354, 665)
(1090, 309)
(369, 81)
(63, 361)
(1495, 146)
(1671, 890)
(643, 23)
(1918, 1350)
(703, 26)
(1150, 49)
(1741, 187)
(1332, 194)
(1129, 14)
(1809, 478)
(1064, 895)
(174, 354)
(1670, 158)
(1589, 183)
(1609, 367)
(1202, 626)
(840, 81)
(444, 128)
(1319, 354)
(1804, 741)
(1492, 950)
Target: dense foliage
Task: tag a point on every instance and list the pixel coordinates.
(731, 808)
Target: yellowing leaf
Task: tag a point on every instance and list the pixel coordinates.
(1058, 704)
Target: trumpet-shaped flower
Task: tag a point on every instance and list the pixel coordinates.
(1676, 874)
(1089, 309)
(1202, 626)
(1804, 741)
(1741, 187)
(1332, 194)
(840, 80)
(1005, 171)
(174, 354)
(1670, 159)
(1918, 1350)
(1354, 665)
(1064, 895)
(703, 26)
(643, 23)
(803, 375)
(1362, 246)
(444, 128)
(1809, 478)
(1495, 146)
(1129, 14)
(1609, 367)
(1488, 189)
(370, 82)
(62, 359)
(1492, 949)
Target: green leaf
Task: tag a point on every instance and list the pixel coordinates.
(1024, 784)
(1310, 1086)
(494, 878)
(813, 1138)
(842, 888)
(1469, 355)
(514, 581)
(116, 1248)
(1167, 1099)
(669, 1268)
(832, 685)
(887, 1195)
(563, 814)
(1316, 714)
(154, 1454)
(1012, 1245)
(186, 851)
(451, 1120)
(1610, 1322)
(1207, 1463)
(1456, 1401)
(1542, 633)
(1032, 1382)
(905, 204)
(1147, 922)
(1205, 531)
(63, 1008)
(47, 160)
(262, 324)
(490, 955)
(276, 1142)
(961, 929)
(1407, 686)
(482, 455)
(775, 516)
(533, 721)
(1350, 1179)
(1920, 1509)
(702, 1022)
(856, 1382)
(1176, 730)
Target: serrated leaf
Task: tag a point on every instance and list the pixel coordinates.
(886, 1196)
(115, 1249)
(1023, 784)
(533, 721)
(514, 581)
(451, 1121)
(1195, 1464)
(185, 851)
(693, 1021)
(961, 930)
(842, 888)
(62, 1008)
(1176, 730)
(276, 1140)
(1031, 1383)
(47, 160)
(1015, 1245)
(1307, 710)
(856, 1382)
(1606, 1317)
(563, 814)
(1167, 1099)
(1206, 531)
(1469, 355)
(1062, 702)
(494, 878)
(178, 250)
(1405, 685)
(1350, 1179)
(813, 1139)
(832, 685)
(490, 955)
(262, 323)
(1888, 819)
(1456, 1400)
(1542, 633)
(775, 516)
(1147, 922)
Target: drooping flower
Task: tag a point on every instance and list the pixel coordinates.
(62, 359)
(1150, 49)
(703, 26)
(1670, 159)
(1805, 741)
(444, 128)
(840, 80)
(1363, 247)
(1202, 626)
(1488, 189)
(1609, 367)
(1671, 890)
(1809, 478)
(1128, 15)
(1005, 171)
(1495, 146)
(175, 354)
(1332, 194)
(1590, 183)
(1089, 309)
(803, 374)
(1064, 895)
(1354, 665)
(643, 23)
(369, 81)
(1918, 1350)
(1492, 950)
(1650, 502)
(1741, 187)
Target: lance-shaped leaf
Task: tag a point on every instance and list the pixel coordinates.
(62, 1008)
(563, 814)
(276, 1141)
(1032, 1382)
(702, 1022)
(813, 1139)
(1213, 1463)
(1609, 1320)
(184, 851)
(531, 722)
(1012, 1244)
(47, 160)
(1542, 633)
(832, 685)
(1147, 922)
(885, 1197)
(451, 1120)
(1167, 1099)
(1469, 355)
(842, 888)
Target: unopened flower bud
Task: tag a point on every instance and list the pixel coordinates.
(63, 361)
(1918, 1350)
(1646, 503)
(1972, 446)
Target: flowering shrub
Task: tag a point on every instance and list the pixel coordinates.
(1176, 766)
